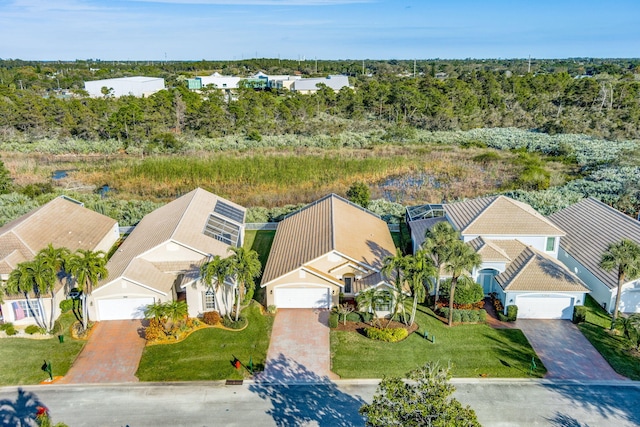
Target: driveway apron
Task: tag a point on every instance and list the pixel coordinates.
(299, 350)
(111, 355)
(565, 352)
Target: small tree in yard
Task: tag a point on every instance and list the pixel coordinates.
(343, 310)
(359, 194)
(422, 399)
(461, 258)
(624, 258)
(630, 328)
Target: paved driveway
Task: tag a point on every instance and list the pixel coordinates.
(565, 352)
(111, 355)
(299, 349)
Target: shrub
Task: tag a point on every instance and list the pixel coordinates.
(354, 316)
(9, 329)
(232, 324)
(579, 314)
(512, 313)
(387, 334)
(272, 309)
(5, 326)
(34, 329)
(465, 316)
(467, 291)
(366, 317)
(333, 319)
(211, 317)
(155, 331)
(66, 305)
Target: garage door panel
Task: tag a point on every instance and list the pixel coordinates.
(545, 307)
(302, 298)
(122, 308)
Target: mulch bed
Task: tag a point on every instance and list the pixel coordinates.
(360, 326)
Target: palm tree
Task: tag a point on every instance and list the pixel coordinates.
(437, 241)
(88, 267)
(418, 272)
(398, 303)
(624, 256)
(56, 258)
(244, 267)
(460, 259)
(33, 278)
(213, 273)
(369, 300)
(395, 264)
(630, 328)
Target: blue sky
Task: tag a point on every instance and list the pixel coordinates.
(322, 29)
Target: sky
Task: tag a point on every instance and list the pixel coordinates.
(317, 29)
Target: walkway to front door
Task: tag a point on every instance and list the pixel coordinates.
(299, 350)
(111, 355)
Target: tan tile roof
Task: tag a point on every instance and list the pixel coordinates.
(181, 221)
(60, 222)
(591, 226)
(499, 215)
(331, 223)
(534, 271)
(488, 250)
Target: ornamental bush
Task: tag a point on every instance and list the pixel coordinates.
(467, 291)
(333, 319)
(66, 305)
(465, 316)
(33, 329)
(579, 314)
(211, 317)
(512, 313)
(232, 324)
(386, 334)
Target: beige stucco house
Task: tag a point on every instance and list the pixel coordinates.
(519, 251)
(160, 260)
(63, 222)
(329, 247)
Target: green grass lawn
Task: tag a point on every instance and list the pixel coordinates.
(208, 353)
(473, 350)
(21, 358)
(615, 349)
(260, 241)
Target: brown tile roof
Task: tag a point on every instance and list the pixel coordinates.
(488, 250)
(181, 221)
(61, 222)
(499, 215)
(331, 223)
(534, 271)
(591, 226)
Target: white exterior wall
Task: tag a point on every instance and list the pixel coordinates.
(220, 82)
(599, 291)
(630, 297)
(109, 240)
(195, 300)
(8, 314)
(136, 86)
(121, 288)
(172, 252)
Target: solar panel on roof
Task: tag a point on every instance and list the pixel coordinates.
(229, 211)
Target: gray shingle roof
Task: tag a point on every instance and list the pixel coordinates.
(591, 226)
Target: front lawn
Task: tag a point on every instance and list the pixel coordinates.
(22, 358)
(208, 354)
(615, 349)
(473, 350)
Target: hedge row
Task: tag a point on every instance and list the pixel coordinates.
(465, 316)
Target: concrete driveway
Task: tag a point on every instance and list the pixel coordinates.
(565, 352)
(111, 355)
(299, 351)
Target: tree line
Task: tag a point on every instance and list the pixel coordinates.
(439, 95)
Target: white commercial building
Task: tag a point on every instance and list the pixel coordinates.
(135, 86)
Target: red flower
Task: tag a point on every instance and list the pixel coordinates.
(42, 410)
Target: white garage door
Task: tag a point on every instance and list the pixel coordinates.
(545, 307)
(303, 298)
(122, 308)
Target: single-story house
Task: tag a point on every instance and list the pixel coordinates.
(519, 249)
(328, 248)
(591, 226)
(63, 222)
(160, 260)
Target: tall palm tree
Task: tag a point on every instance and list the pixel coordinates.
(245, 267)
(398, 303)
(395, 264)
(369, 300)
(56, 258)
(87, 267)
(623, 256)
(438, 240)
(460, 259)
(213, 273)
(35, 278)
(418, 271)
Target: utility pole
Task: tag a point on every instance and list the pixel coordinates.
(363, 67)
(529, 69)
(414, 68)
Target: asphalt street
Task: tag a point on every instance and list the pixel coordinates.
(497, 403)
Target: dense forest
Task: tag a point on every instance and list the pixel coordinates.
(587, 96)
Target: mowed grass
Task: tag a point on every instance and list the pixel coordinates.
(472, 350)
(208, 354)
(615, 349)
(22, 358)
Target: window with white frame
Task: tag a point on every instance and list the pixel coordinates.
(21, 309)
(209, 300)
(551, 244)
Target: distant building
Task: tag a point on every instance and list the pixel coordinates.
(308, 86)
(135, 86)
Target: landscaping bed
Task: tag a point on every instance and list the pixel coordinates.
(360, 327)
